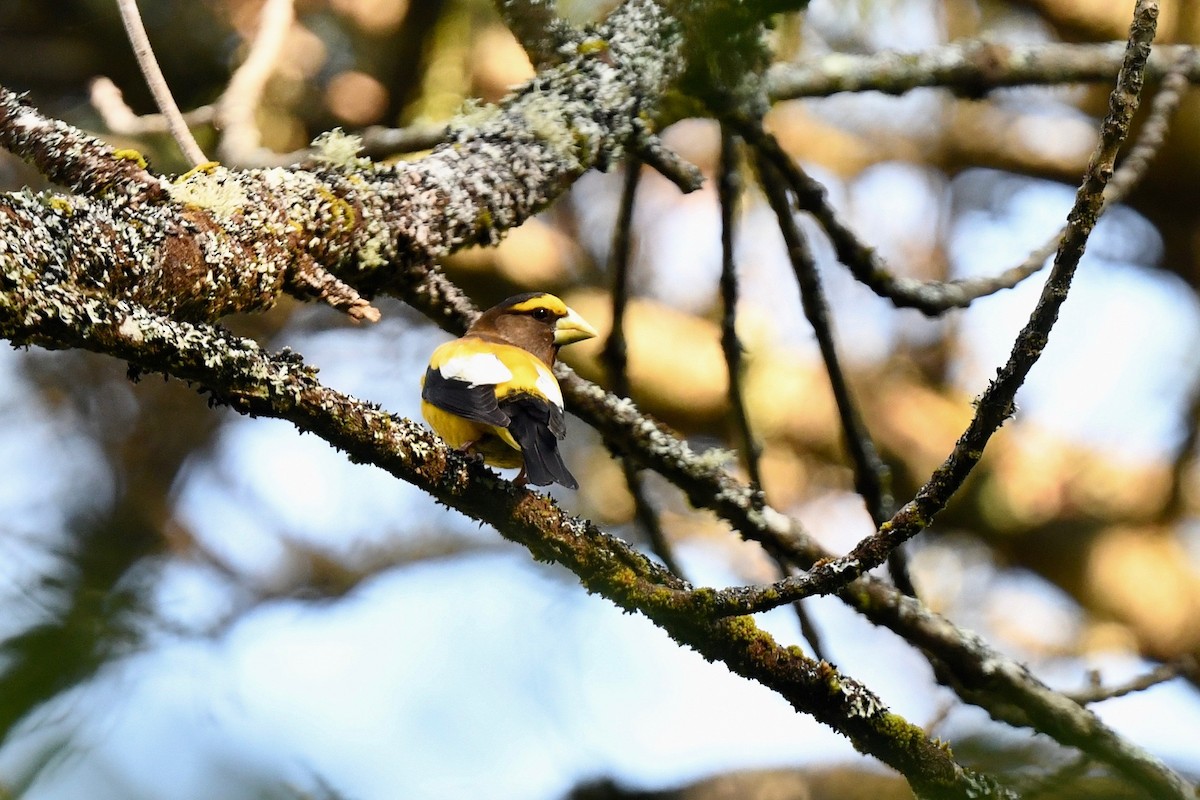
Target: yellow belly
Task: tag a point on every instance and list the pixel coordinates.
(496, 445)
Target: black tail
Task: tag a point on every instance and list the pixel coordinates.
(537, 425)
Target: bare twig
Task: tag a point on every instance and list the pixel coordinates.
(616, 360)
(929, 297)
(1124, 180)
(936, 297)
(968, 68)
(995, 405)
(108, 100)
(615, 353)
(668, 163)
(1097, 693)
(871, 475)
(729, 188)
(237, 108)
(136, 31)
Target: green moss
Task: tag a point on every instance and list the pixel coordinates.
(700, 601)
(901, 731)
(745, 629)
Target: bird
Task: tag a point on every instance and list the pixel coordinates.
(493, 393)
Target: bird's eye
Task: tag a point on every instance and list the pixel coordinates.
(541, 314)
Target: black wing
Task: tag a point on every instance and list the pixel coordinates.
(537, 425)
(476, 403)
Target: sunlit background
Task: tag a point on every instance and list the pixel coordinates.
(198, 605)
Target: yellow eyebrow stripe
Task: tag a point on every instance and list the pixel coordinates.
(547, 301)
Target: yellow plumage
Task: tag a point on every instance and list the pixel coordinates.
(493, 393)
(493, 442)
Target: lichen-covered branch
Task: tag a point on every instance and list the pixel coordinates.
(237, 372)
(539, 29)
(137, 264)
(977, 672)
(967, 68)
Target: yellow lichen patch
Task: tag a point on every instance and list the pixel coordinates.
(207, 168)
(592, 46)
(209, 187)
(127, 154)
(60, 204)
(341, 213)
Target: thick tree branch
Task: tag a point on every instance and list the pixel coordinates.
(237, 372)
(378, 228)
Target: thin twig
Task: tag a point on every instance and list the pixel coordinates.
(929, 297)
(136, 31)
(1124, 180)
(237, 109)
(108, 100)
(672, 166)
(871, 476)
(616, 360)
(969, 68)
(1161, 674)
(995, 405)
(729, 188)
(936, 297)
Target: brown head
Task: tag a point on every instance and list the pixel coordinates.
(537, 322)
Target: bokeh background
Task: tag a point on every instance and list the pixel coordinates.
(194, 604)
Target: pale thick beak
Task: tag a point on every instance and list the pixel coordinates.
(572, 328)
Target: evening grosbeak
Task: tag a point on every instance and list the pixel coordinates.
(493, 392)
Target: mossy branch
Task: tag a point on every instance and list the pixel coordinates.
(238, 373)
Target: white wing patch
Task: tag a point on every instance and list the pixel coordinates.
(476, 369)
(547, 385)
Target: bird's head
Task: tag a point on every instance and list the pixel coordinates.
(538, 322)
